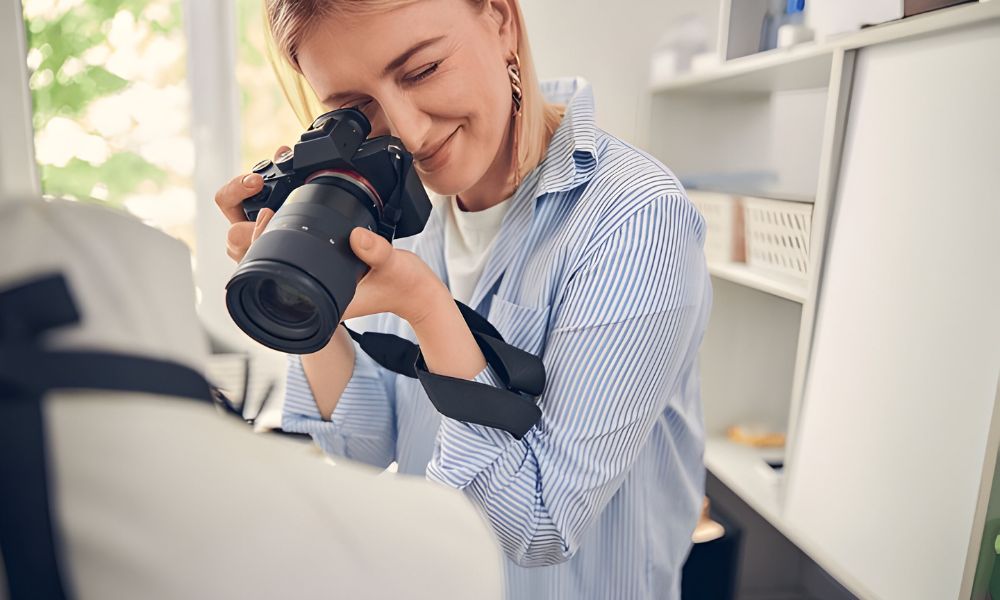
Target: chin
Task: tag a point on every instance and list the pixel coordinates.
(448, 181)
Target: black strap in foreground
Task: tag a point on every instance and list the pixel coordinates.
(31, 372)
(512, 408)
(28, 310)
(27, 534)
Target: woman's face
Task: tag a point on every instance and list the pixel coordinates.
(432, 73)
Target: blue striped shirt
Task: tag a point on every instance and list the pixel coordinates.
(598, 268)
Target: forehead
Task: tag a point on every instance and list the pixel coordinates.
(344, 52)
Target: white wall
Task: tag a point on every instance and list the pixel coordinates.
(609, 43)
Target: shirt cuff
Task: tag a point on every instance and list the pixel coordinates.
(354, 408)
(361, 426)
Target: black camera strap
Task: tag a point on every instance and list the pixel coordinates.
(513, 408)
(27, 373)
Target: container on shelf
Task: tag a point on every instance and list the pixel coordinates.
(793, 29)
(684, 39)
(757, 436)
(916, 7)
(829, 18)
(724, 241)
(777, 237)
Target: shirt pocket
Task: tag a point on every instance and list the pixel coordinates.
(525, 327)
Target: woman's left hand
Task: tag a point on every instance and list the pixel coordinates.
(399, 281)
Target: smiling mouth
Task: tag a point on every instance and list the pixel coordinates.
(433, 153)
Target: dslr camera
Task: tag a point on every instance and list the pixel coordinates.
(294, 283)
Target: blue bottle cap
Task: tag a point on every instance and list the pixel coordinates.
(795, 6)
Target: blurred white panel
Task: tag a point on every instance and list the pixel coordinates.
(902, 380)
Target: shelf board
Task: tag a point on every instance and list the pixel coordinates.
(743, 470)
(806, 66)
(766, 193)
(752, 278)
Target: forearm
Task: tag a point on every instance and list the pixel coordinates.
(447, 344)
(329, 370)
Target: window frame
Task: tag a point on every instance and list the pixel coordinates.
(18, 170)
(210, 30)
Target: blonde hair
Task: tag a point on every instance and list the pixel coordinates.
(288, 22)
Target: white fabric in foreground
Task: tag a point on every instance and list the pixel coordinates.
(163, 498)
(132, 284)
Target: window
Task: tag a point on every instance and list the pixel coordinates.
(122, 117)
(111, 106)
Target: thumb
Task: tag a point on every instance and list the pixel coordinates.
(370, 247)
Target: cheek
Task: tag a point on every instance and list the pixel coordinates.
(493, 115)
(481, 105)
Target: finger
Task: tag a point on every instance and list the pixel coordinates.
(238, 239)
(230, 196)
(263, 218)
(370, 247)
(279, 152)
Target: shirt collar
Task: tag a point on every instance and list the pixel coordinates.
(571, 158)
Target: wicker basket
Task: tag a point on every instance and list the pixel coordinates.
(724, 226)
(777, 234)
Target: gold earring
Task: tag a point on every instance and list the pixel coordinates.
(517, 94)
(517, 99)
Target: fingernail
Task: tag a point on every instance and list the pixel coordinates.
(366, 239)
(250, 180)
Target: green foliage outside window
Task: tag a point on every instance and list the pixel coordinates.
(111, 106)
(96, 70)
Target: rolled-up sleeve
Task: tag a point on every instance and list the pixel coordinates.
(628, 325)
(362, 427)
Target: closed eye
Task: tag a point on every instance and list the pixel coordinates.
(424, 74)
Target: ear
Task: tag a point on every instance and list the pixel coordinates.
(501, 12)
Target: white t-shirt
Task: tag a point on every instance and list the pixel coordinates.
(468, 238)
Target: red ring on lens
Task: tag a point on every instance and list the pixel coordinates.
(352, 176)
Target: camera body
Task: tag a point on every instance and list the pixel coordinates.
(295, 281)
(337, 142)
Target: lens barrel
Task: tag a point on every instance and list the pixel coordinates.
(291, 288)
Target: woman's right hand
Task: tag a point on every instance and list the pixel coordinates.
(230, 198)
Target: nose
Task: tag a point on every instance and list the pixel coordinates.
(406, 120)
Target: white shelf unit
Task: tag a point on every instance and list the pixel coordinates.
(809, 65)
(757, 352)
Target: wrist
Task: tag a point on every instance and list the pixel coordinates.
(446, 343)
(433, 309)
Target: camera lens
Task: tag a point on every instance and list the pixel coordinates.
(290, 289)
(284, 303)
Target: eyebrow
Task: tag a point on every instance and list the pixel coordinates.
(396, 63)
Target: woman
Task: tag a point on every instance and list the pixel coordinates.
(576, 246)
